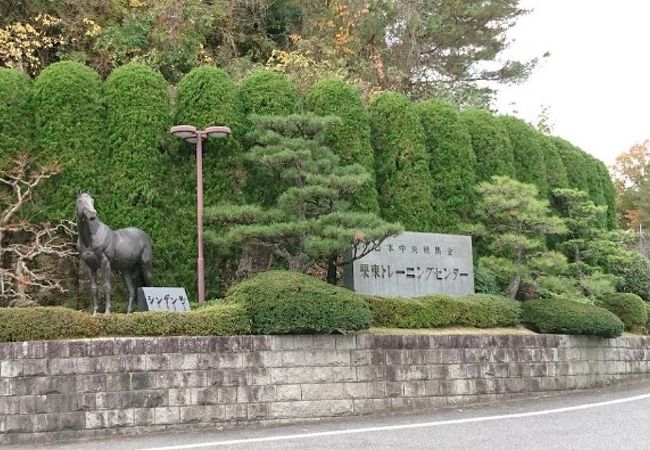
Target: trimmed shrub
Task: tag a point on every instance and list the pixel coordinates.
(69, 128)
(574, 163)
(528, 156)
(403, 179)
(435, 311)
(280, 302)
(491, 145)
(561, 316)
(42, 323)
(271, 93)
(609, 193)
(350, 140)
(630, 308)
(268, 93)
(634, 272)
(215, 320)
(143, 190)
(647, 324)
(451, 163)
(555, 170)
(16, 116)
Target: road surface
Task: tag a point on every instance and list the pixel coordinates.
(611, 418)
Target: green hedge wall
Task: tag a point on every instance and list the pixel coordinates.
(575, 164)
(529, 157)
(280, 302)
(452, 163)
(555, 170)
(491, 144)
(436, 311)
(609, 193)
(69, 128)
(402, 169)
(16, 118)
(350, 140)
(142, 191)
(266, 92)
(562, 316)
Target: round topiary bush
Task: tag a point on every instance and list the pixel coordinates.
(491, 145)
(69, 128)
(16, 116)
(529, 159)
(452, 163)
(269, 93)
(350, 140)
(574, 163)
(630, 308)
(280, 302)
(402, 169)
(561, 316)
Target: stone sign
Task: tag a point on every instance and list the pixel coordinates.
(162, 299)
(413, 265)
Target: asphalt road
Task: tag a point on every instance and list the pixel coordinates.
(611, 418)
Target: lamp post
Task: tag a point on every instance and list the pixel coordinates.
(194, 136)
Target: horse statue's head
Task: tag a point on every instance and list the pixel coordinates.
(85, 207)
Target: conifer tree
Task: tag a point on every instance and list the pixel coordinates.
(555, 170)
(311, 221)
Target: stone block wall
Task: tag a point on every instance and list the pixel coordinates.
(60, 390)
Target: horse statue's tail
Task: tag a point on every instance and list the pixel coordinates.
(146, 259)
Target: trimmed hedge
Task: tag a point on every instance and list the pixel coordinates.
(526, 147)
(350, 140)
(574, 162)
(630, 308)
(555, 170)
(47, 323)
(609, 193)
(452, 163)
(280, 302)
(491, 144)
(647, 324)
(402, 169)
(435, 311)
(69, 128)
(561, 316)
(16, 116)
(269, 93)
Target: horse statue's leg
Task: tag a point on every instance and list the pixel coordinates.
(127, 277)
(93, 288)
(106, 271)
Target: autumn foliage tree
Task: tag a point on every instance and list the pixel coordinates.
(630, 173)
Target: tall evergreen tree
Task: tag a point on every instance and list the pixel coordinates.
(311, 221)
(491, 145)
(350, 140)
(555, 170)
(452, 164)
(402, 168)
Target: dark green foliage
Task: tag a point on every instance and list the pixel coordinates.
(292, 303)
(529, 158)
(142, 181)
(596, 192)
(491, 145)
(70, 129)
(41, 323)
(485, 281)
(16, 118)
(609, 193)
(575, 163)
(45, 323)
(207, 96)
(647, 324)
(350, 140)
(555, 170)
(634, 270)
(562, 316)
(215, 320)
(630, 308)
(268, 92)
(435, 311)
(452, 164)
(402, 169)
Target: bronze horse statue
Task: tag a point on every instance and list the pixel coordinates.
(100, 247)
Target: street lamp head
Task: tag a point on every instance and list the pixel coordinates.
(187, 132)
(217, 132)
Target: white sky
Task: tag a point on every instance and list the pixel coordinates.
(596, 80)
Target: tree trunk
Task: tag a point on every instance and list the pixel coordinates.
(513, 287)
(331, 271)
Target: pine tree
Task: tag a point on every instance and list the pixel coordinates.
(311, 221)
